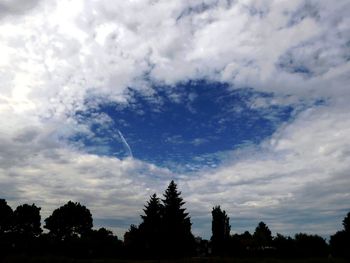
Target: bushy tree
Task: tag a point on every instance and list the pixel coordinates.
(285, 246)
(27, 220)
(178, 239)
(340, 241)
(340, 244)
(69, 220)
(240, 244)
(103, 243)
(346, 223)
(220, 230)
(262, 236)
(6, 217)
(310, 245)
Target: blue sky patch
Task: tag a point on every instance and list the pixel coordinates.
(184, 127)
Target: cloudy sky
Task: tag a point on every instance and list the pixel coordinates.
(243, 103)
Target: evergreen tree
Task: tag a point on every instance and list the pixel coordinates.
(150, 228)
(220, 230)
(133, 242)
(178, 239)
(262, 236)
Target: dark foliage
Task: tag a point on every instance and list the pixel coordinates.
(102, 243)
(346, 223)
(165, 232)
(151, 227)
(6, 217)
(220, 228)
(241, 244)
(262, 236)
(27, 221)
(340, 241)
(310, 245)
(133, 242)
(69, 221)
(176, 225)
(285, 246)
(25, 230)
(6, 222)
(340, 244)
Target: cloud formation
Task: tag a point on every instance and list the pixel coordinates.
(60, 57)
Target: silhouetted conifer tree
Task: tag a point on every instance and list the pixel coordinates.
(150, 228)
(178, 239)
(132, 242)
(220, 227)
(262, 236)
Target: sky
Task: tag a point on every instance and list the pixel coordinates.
(245, 104)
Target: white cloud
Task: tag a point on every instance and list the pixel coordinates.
(301, 174)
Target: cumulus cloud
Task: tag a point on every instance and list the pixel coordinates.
(109, 187)
(60, 57)
(299, 177)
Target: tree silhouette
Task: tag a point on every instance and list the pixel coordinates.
(132, 242)
(220, 227)
(69, 220)
(346, 223)
(285, 246)
(102, 243)
(150, 228)
(6, 217)
(262, 236)
(310, 245)
(178, 239)
(340, 241)
(240, 244)
(26, 221)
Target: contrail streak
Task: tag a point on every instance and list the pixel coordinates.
(125, 143)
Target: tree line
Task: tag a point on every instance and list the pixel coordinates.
(164, 232)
